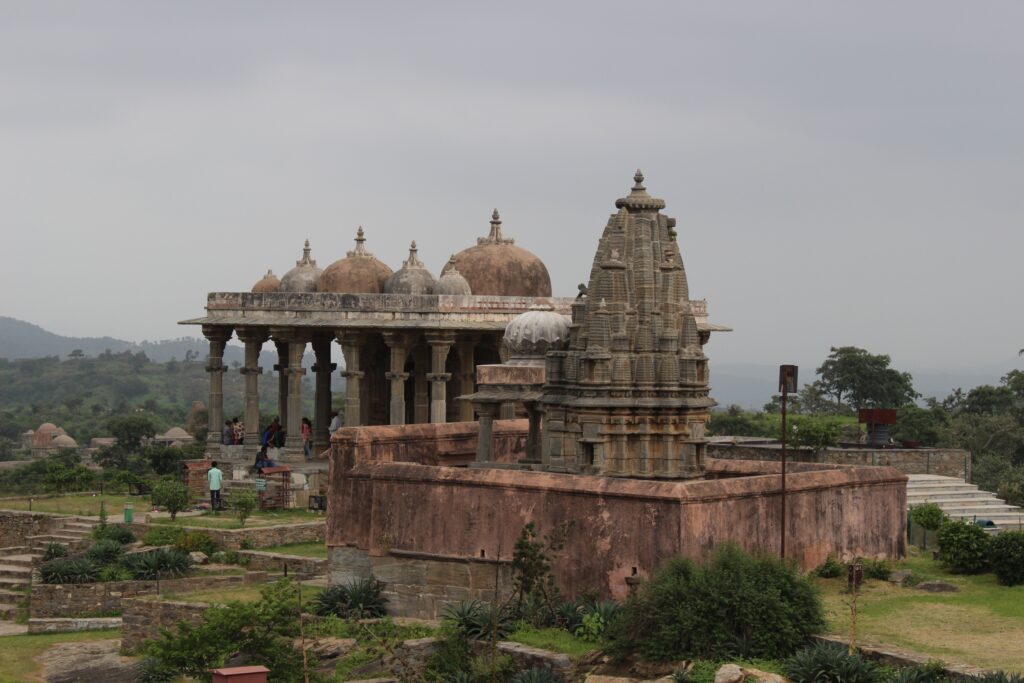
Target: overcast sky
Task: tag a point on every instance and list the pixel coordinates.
(842, 173)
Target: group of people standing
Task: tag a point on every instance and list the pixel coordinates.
(233, 433)
(273, 436)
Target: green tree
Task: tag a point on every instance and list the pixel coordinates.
(243, 501)
(130, 430)
(855, 378)
(172, 495)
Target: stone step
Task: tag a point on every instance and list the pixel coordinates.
(9, 612)
(14, 550)
(22, 560)
(8, 583)
(941, 490)
(15, 572)
(9, 597)
(84, 528)
(56, 537)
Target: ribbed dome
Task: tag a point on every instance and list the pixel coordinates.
(411, 278)
(177, 433)
(269, 283)
(63, 441)
(360, 272)
(451, 281)
(304, 277)
(529, 336)
(47, 427)
(497, 267)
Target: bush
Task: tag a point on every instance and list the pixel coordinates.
(113, 532)
(736, 605)
(963, 547)
(163, 535)
(114, 572)
(928, 516)
(107, 551)
(932, 672)
(480, 620)
(536, 675)
(243, 502)
(1006, 556)
(69, 570)
(156, 564)
(829, 663)
(54, 550)
(830, 568)
(171, 495)
(997, 677)
(359, 599)
(193, 541)
(876, 569)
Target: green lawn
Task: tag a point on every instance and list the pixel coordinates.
(554, 639)
(80, 504)
(982, 625)
(18, 653)
(302, 549)
(227, 520)
(240, 593)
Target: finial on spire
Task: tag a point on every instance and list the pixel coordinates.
(360, 249)
(495, 216)
(413, 261)
(495, 237)
(638, 178)
(305, 261)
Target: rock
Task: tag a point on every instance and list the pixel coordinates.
(900, 576)
(937, 587)
(597, 678)
(732, 673)
(198, 557)
(761, 676)
(97, 660)
(729, 673)
(329, 648)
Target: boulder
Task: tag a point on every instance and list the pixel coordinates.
(937, 587)
(733, 673)
(198, 557)
(900, 576)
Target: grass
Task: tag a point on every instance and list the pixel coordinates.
(301, 549)
(79, 504)
(982, 625)
(554, 639)
(239, 593)
(18, 653)
(227, 520)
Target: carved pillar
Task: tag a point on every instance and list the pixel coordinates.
(282, 380)
(440, 344)
(421, 392)
(253, 337)
(351, 347)
(467, 373)
(533, 437)
(398, 344)
(485, 445)
(293, 343)
(218, 336)
(322, 399)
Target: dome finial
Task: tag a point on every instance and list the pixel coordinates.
(360, 249)
(638, 178)
(495, 236)
(413, 261)
(306, 260)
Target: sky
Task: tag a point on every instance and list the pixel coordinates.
(842, 173)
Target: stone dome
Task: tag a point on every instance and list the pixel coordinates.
(304, 277)
(269, 283)
(451, 281)
(529, 336)
(63, 441)
(360, 272)
(47, 427)
(497, 267)
(412, 278)
(177, 433)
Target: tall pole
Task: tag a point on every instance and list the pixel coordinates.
(782, 548)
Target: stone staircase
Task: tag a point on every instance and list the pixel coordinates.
(72, 532)
(961, 500)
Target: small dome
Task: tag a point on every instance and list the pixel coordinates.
(176, 444)
(28, 433)
(412, 278)
(360, 272)
(304, 277)
(269, 283)
(47, 427)
(63, 441)
(497, 267)
(452, 282)
(177, 433)
(531, 335)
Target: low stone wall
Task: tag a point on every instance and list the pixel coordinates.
(451, 444)
(106, 598)
(72, 624)
(285, 564)
(252, 537)
(143, 619)
(947, 462)
(419, 585)
(17, 526)
(526, 657)
(897, 658)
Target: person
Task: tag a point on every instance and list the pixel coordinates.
(213, 478)
(273, 435)
(239, 428)
(263, 460)
(307, 438)
(335, 422)
(227, 435)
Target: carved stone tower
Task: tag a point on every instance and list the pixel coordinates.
(629, 397)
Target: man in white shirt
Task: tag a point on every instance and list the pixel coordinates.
(335, 422)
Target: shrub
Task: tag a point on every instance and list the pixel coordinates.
(243, 502)
(932, 672)
(156, 564)
(54, 550)
(163, 535)
(830, 568)
(876, 569)
(928, 516)
(1006, 556)
(172, 496)
(359, 599)
(107, 551)
(829, 663)
(997, 677)
(480, 620)
(69, 570)
(113, 532)
(963, 547)
(193, 541)
(114, 572)
(735, 605)
(536, 675)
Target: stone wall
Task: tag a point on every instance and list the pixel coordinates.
(285, 564)
(106, 598)
(142, 619)
(618, 528)
(948, 462)
(16, 527)
(255, 536)
(69, 625)
(451, 444)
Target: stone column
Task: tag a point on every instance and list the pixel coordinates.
(351, 346)
(398, 345)
(533, 446)
(253, 337)
(282, 380)
(296, 349)
(218, 336)
(485, 444)
(421, 393)
(440, 344)
(322, 401)
(467, 373)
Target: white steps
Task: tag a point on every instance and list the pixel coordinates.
(961, 500)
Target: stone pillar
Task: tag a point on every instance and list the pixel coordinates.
(253, 337)
(398, 344)
(440, 344)
(282, 380)
(421, 392)
(485, 445)
(467, 373)
(218, 336)
(296, 349)
(533, 437)
(351, 346)
(322, 400)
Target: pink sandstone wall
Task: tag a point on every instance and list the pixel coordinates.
(618, 526)
(452, 443)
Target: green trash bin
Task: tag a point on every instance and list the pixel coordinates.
(129, 512)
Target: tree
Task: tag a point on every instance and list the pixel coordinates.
(244, 502)
(77, 353)
(172, 495)
(130, 430)
(857, 379)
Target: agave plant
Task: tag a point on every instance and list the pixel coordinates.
(365, 599)
(157, 564)
(69, 570)
(536, 675)
(829, 663)
(480, 620)
(107, 551)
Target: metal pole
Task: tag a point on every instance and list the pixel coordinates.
(782, 549)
